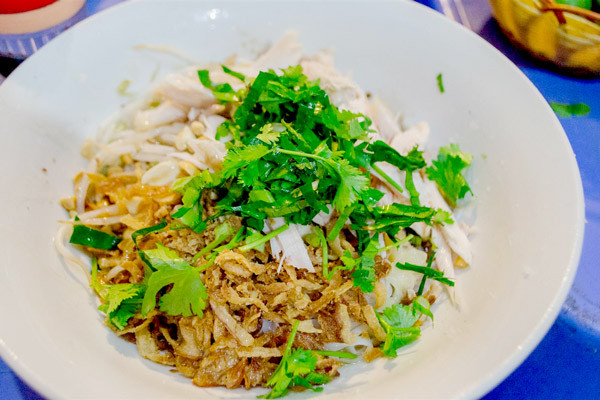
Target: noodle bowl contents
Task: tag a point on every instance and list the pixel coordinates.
(262, 223)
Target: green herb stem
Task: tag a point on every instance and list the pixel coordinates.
(387, 178)
(339, 224)
(301, 154)
(422, 284)
(338, 354)
(325, 255)
(412, 190)
(264, 239)
(396, 244)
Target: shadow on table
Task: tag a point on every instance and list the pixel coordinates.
(25, 392)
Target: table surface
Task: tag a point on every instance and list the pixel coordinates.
(566, 363)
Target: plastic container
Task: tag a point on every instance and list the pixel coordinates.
(565, 35)
(26, 25)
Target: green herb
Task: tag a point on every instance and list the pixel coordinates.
(95, 283)
(440, 83)
(398, 323)
(364, 270)
(94, 238)
(395, 216)
(338, 354)
(570, 110)
(256, 240)
(254, 243)
(222, 233)
(123, 86)
(325, 253)
(294, 154)
(188, 293)
(424, 279)
(408, 238)
(296, 368)
(120, 302)
(339, 224)
(222, 92)
(146, 231)
(446, 171)
(238, 75)
(427, 272)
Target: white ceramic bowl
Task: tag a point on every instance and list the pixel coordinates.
(529, 202)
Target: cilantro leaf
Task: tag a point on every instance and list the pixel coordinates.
(353, 182)
(188, 293)
(398, 323)
(222, 92)
(446, 171)
(296, 368)
(384, 152)
(392, 217)
(121, 302)
(364, 271)
(239, 157)
(270, 133)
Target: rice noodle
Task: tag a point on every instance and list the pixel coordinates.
(103, 221)
(70, 258)
(108, 210)
(81, 190)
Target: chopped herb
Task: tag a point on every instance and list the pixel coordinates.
(424, 279)
(446, 171)
(296, 368)
(570, 110)
(294, 154)
(398, 323)
(146, 231)
(222, 233)
(440, 83)
(120, 302)
(123, 86)
(188, 293)
(238, 75)
(252, 244)
(364, 271)
(85, 236)
(427, 272)
(338, 354)
(324, 254)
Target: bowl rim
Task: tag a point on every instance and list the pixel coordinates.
(528, 344)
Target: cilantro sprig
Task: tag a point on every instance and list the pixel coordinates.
(398, 322)
(446, 171)
(187, 295)
(297, 368)
(120, 302)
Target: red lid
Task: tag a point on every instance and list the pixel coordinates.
(14, 7)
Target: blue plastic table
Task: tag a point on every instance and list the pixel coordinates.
(566, 364)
